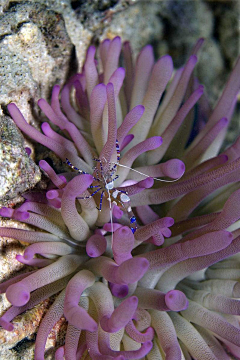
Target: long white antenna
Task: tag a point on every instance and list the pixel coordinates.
(110, 207)
(139, 172)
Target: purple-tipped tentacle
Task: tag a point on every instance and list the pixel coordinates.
(153, 228)
(51, 134)
(112, 58)
(96, 245)
(126, 140)
(154, 299)
(90, 70)
(160, 76)
(128, 272)
(138, 336)
(171, 130)
(37, 296)
(179, 271)
(120, 291)
(117, 80)
(123, 242)
(139, 186)
(55, 248)
(7, 283)
(209, 180)
(75, 314)
(117, 212)
(143, 69)
(190, 201)
(120, 316)
(34, 134)
(203, 245)
(34, 262)
(170, 111)
(129, 157)
(72, 115)
(59, 354)
(78, 228)
(54, 194)
(57, 181)
(129, 121)
(103, 51)
(97, 103)
(19, 294)
(110, 144)
(111, 227)
(176, 300)
(173, 168)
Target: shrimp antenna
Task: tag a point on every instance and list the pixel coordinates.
(139, 172)
(110, 209)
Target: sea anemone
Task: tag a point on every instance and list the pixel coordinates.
(142, 254)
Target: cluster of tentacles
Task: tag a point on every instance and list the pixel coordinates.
(143, 294)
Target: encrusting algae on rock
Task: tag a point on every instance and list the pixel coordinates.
(122, 268)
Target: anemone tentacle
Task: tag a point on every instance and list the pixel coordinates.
(125, 253)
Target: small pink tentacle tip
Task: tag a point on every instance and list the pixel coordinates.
(111, 227)
(59, 354)
(43, 165)
(169, 221)
(28, 150)
(117, 212)
(127, 139)
(146, 183)
(176, 300)
(20, 215)
(119, 291)
(174, 168)
(79, 317)
(158, 140)
(120, 316)
(149, 333)
(147, 346)
(166, 232)
(6, 325)
(55, 203)
(18, 294)
(52, 194)
(6, 212)
(132, 270)
(124, 230)
(45, 128)
(28, 253)
(96, 245)
(62, 177)
(156, 239)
